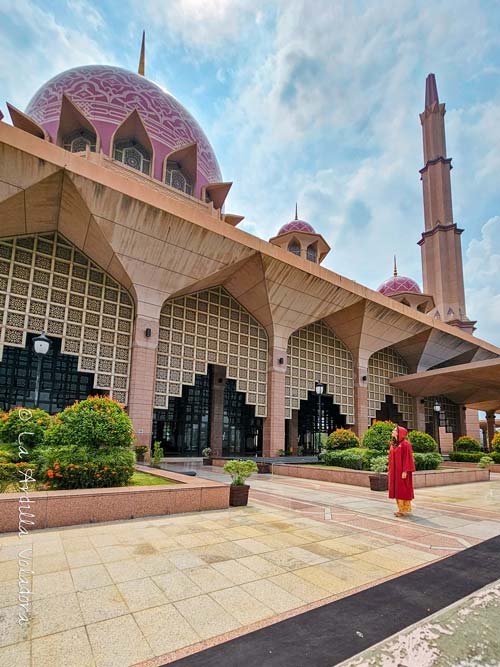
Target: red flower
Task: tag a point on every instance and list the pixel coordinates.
(50, 473)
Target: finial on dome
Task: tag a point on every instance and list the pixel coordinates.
(142, 57)
(395, 266)
(296, 214)
(431, 91)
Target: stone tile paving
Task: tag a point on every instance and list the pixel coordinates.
(464, 634)
(129, 591)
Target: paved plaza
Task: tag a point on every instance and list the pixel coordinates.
(151, 591)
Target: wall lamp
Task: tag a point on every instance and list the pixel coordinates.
(148, 333)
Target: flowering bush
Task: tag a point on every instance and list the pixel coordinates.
(466, 444)
(495, 443)
(378, 436)
(71, 467)
(99, 422)
(29, 423)
(342, 438)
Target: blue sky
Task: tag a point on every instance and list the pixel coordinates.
(315, 102)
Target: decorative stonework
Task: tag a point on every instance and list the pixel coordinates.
(449, 416)
(382, 367)
(316, 354)
(46, 284)
(211, 327)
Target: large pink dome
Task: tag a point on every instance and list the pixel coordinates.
(296, 226)
(398, 285)
(107, 95)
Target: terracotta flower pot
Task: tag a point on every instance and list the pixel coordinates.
(238, 495)
(379, 482)
(264, 468)
(207, 461)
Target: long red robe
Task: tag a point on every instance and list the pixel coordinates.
(400, 461)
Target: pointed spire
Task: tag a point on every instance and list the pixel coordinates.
(142, 58)
(296, 214)
(395, 267)
(431, 91)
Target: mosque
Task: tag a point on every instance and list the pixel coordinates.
(115, 242)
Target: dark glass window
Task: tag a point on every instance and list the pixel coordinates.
(184, 429)
(316, 417)
(312, 253)
(176, 178)
(242, 432)
(60, 382)
(294, 247)
(78, 141)
(133, 154)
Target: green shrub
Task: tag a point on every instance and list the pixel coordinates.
(157, 453)
(11, 475)
(495, 456)
(98, 422)
(379, 464)
(485, 461)
(466, 444)
(6, 455)
(422, 442)
(495, 443)
(26, 426)
(427, 460)
(342, 438)
(466, 457)
(240, 471)
(73, 467)
(357, 458)
(378, 436)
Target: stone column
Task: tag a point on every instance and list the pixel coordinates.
(490, 428)
(420, 414)
(142, 378)
(361, 418)
(472, 427)
(274, 424)
(217, 409)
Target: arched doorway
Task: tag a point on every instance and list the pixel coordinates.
(317, 417)
(61, 384)
(242, 430)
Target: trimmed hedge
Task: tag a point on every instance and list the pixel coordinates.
(342, 438)
(466, 457)
(98, 422)
(466, 444)
(360, 458)
(427, 460)
(378, 436)
(422, 442)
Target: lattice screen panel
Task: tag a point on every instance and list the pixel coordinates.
(316, 354)
(211, 327)
(450, 413)
(382, 367)
(46, 284)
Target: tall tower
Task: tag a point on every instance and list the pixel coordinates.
(440, 243)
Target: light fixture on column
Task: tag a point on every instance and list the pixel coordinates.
(148, 333)
(437, 412)
(41, 346)
(319, 391)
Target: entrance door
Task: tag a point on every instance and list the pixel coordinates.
(242, 430)
(315, 418)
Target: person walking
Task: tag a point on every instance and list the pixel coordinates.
(401, 467)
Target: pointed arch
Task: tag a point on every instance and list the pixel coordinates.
(382, 367)
(75, 128)
(294, 247)
(131, 144)
(24, 122)
(181, 167)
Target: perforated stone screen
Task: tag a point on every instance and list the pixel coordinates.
(382, 367)
(211, 327)
(449, 416)
(316, 354)
(46, 284)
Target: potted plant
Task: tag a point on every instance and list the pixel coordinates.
(379, 481)
(207, 456)
(157, 455)
(140, 451)
(239, 471)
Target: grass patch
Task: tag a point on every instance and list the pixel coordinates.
(145, 479)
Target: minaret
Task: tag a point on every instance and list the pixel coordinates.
(440, 243)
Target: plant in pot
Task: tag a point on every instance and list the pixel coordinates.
(157, 455)
(379, 481)
(239, 471)
(140, 451)
(207, 456)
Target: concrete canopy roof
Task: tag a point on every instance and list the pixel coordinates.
(476, 384)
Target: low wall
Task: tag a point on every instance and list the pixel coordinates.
(67, 508)
(495, 467)
(421, 479)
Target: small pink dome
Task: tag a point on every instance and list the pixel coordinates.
(107, 95)
(296, 226)
(398, 285)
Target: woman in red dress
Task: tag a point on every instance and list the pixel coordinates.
(401, 467)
